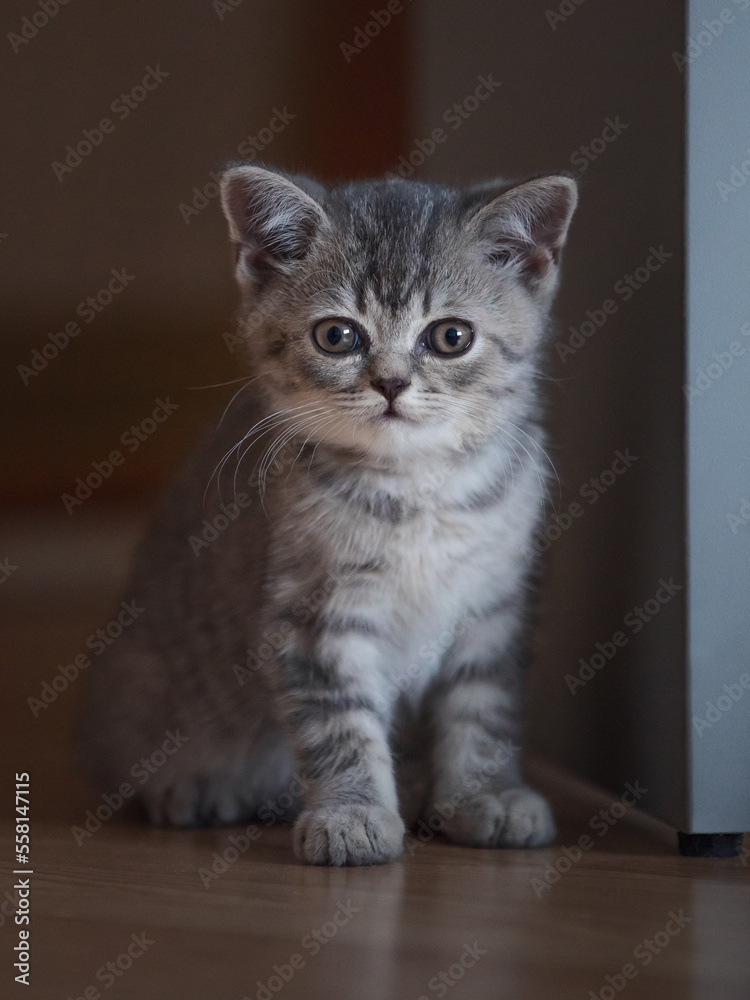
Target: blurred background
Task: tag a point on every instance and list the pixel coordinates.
(337, 90)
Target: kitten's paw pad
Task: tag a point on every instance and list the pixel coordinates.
(517, 817)
(348, 835)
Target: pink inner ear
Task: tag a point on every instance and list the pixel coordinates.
(528, 225)
(539, 260)
(533, 260)
(256, 260)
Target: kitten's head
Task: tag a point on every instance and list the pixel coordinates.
(391, 316)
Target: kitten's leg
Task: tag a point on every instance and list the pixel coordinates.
(478, 789)
(338, 730)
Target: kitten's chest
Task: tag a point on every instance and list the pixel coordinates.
(436, 559)
(447, 557)
(439, 559)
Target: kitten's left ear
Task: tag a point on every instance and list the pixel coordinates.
(272, 217)
(525, 226)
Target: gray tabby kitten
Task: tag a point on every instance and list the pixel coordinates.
(350, 642)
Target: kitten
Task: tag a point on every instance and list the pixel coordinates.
(336, 625)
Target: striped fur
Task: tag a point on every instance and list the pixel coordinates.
(353, 640)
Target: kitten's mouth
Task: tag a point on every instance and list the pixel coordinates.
(390, 413)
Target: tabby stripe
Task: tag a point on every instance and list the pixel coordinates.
(318, 707)
(344, 625)
(510, 603)
(307, 672)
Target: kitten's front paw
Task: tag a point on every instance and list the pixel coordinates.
(517, 817)
(348, 835)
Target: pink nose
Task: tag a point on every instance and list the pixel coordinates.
(390, 387)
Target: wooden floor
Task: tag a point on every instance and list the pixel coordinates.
(206, 919)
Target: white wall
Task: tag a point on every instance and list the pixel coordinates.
(718, 337)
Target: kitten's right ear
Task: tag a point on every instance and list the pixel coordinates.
(271, 218)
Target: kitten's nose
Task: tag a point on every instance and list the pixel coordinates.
(390, 387)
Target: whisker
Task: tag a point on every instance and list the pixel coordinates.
(242, 388)
(312, 410)
(272, 426)
(221, 463)
(542, 481)
(278, 446)
(316, 425)
(538, 445)
(215, 385)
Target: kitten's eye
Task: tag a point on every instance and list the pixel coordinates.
(336, 336)
(450, 337)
